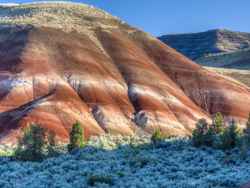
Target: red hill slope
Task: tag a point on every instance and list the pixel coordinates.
(61, 63)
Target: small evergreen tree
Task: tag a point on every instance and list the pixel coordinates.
(200, 135)
(230, 136)
(246, 132)
(157, 136)
(248, 122)
(218, 123)
(51, 144)
(76, 137)
(31, 145)
(209, 137)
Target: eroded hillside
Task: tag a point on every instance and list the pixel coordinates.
(61, 63)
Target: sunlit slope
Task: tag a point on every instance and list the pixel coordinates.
(61, 63)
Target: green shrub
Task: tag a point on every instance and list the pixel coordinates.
(76, 137)
(157, 136)
(203, 135)
(103, 179)
(120, 174)
(6, 153)
(209, 137)
(218, 123)
(246, 133)
(248, 122)
(139, 162)
(245, 140)
(51, 144)
(30, 146)
(230, 136)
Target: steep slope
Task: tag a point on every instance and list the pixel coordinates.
(233, 60)
(242, 76)
(61, 63)
(215, 48)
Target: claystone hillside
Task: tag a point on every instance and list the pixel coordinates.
(61, 63)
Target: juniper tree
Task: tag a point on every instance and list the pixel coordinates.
(51, 144)
(230, 136)
(247, 132)
(76, 137)
(202, 134)
(218, 123)
(247, 129)
(157, 136)
(31, 145)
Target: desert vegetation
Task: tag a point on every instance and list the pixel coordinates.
(76, 137)
(217, 155)
(36, 144)
(220, 135)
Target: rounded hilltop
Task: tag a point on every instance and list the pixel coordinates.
(65, 16)
(68, 16)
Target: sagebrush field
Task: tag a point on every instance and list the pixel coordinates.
(131, 162)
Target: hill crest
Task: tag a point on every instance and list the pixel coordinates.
(198, 45)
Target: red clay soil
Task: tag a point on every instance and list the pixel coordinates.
(137, 84)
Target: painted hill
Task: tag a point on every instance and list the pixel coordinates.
(61, 63)
(215, 48)
(241, 75)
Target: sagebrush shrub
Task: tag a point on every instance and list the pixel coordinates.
(103, 179)
(139, 162)
(76, 137)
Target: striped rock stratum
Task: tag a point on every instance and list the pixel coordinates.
(61, 63)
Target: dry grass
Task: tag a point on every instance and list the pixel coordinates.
(242, 76)
(230, 59)
(64, 16)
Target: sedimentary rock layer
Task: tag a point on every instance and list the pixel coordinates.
(110, 77)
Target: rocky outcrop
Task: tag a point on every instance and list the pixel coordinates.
(61, 63)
